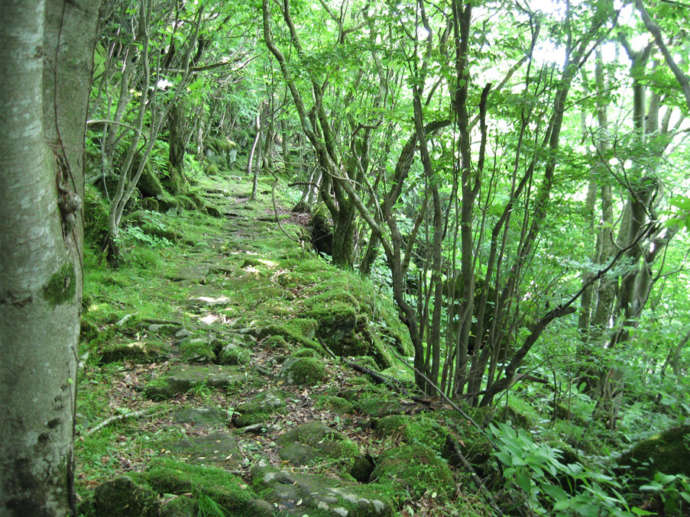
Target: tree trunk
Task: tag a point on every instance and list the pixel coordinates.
(46, 56)
(177, 143)
(250, 160)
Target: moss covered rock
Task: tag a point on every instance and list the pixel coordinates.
(230, 493)
(667, 452)
(344, 325)
(415, 470)
(167, 202)
(336, 404)
(182, 378)
(136, 351)
(200, 416)
(149, 185)
(179, 506)
(276, 341)
(321, 231)
(197, 349)
(391, 425)
(362, 468)
(295, 494)
(297, 331)
(213, 210)
(305, 352)
(233, 354)
(307, 443)
(418, 428)
(475, 445)
(380, 405)
(152, 224)
(259, 408)
(305, 371)
(123, 496)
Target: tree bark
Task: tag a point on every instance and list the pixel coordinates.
(45, 58)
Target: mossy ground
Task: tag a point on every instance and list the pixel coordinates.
(190, 341)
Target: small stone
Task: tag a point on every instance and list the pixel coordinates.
(201, 416)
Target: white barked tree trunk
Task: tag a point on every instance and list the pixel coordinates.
(46, 49)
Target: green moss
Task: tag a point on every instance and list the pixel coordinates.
(167, 201)
(345, 311)
(197, 198)
(123, 496)
(368, 362)
(150, 203)
(277, 342)
(414, 471)
(477, 447)
(149, 183)
(95, 216)
(305, 371)
(159, 389)
(519, 411)
(180, 506)
(391, 425)
(251, 262)
(137, 351)
(380, 406)
(234, 354)
(413, 429)
(308, 443)
(228, 491)
(342, 296)
(336, 404)
(300, 331)
(667, 452)
(304, 352)
(304, 326)
(186, 202)
(220, 144)
(259, 408)
(197, 349)
(62, 286)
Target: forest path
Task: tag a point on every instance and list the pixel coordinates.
(205, 383)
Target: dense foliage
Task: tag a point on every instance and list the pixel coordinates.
(513, 175)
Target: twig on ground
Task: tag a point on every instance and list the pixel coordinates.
(123, 416)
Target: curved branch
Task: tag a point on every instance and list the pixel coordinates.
(682, 78)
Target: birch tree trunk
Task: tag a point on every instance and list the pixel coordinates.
(46, 51)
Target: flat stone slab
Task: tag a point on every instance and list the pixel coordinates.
(195, 273)
(200, 416)
(219, 448)
(259, 408)
(309, 442)
(182, 378)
